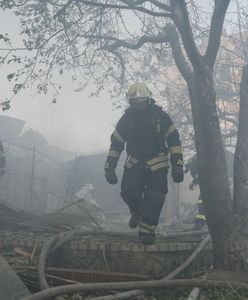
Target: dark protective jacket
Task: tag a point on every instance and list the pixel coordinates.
(147, 135)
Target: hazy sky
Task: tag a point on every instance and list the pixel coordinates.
(75, 123)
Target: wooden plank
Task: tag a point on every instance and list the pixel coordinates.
(11, 287)
(215, 274)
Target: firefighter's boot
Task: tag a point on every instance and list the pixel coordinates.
(134, 221)
(153, 203)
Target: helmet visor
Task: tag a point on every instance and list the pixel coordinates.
(139, 102)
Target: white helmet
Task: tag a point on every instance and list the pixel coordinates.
(138, 90)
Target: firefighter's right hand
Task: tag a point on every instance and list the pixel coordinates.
(177, 173)
(110, 176)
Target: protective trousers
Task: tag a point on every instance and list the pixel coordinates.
(144, 192)
(201, 213)
(200, 218)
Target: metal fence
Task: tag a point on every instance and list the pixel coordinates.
(34, 181)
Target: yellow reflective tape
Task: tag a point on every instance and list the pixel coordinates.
(118, 136)
(201, 217)
(199, 202)
(114, 153)
(175, 149)
(170, 130)
(131, 161)
(160, 165)
(162, 154)
(157, 159)
(180, 162)
(146, 228)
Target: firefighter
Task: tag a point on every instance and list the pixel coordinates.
(192, 167)
(148, 134)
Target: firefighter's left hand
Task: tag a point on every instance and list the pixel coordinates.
(111, 176)
(177, 173)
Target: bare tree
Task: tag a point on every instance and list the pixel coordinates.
(98, 40)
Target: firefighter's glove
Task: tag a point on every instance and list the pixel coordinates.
(177, 173)
(110, 176)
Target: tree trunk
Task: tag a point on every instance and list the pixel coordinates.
(213, 178)
(241, 153)
(238, 240)
(228, 231)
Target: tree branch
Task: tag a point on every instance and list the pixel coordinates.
(154, 2)
(137, 2)
(224, 116)
(180, 60)
(11, 4)
(130, 5)
(181, 20)
(145, 10)
(121, 60)
(117, 43)
(160, 5)
(63, 9)
(216, 28)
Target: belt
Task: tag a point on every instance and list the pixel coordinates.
(157, 162)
